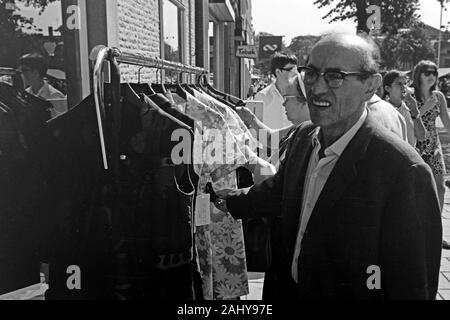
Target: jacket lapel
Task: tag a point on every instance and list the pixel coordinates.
(345, 170)
(295, 173)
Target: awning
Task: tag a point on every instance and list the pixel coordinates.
(222, 10)
(57, 74)
(443, 72)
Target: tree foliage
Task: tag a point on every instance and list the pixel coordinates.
(402, 40)
(13, 25)
(11, 22)
(301, 46)
(395, 14)
(404, 50)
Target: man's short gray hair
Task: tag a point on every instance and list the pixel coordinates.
(370, 55)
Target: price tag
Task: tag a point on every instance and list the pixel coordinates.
(203, 210)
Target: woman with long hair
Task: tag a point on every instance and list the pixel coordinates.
(432, 104)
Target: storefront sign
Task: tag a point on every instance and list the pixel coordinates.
(247, 52)
(268, 46)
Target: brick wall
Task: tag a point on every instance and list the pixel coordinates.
(139, 33)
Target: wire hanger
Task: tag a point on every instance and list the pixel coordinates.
(139, 74)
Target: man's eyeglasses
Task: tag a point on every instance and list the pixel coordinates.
(287, 69)
(334, 79)
(300, 99)
(430, 72)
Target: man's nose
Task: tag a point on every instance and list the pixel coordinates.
(320, 86)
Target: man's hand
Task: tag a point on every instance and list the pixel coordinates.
(221, 202)
(246, 115)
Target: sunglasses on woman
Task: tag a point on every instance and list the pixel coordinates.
(430, 72)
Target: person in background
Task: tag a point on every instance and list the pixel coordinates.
(251, 92)
(297, 112)
(34, 68)
(295, 108)
(284, 68)
(387, 116)
(397, 92)
(432, 104)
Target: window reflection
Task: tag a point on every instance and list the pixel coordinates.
(172, 34)
(33, 44)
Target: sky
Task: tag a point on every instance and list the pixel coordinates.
(291, 18)
(50, 17)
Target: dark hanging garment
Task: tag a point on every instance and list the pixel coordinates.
(31, 113)
(165, 104)
(24, 198)
(160, 236)
(21, 187)
(84, 226)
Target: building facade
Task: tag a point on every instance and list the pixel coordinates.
(202, 33)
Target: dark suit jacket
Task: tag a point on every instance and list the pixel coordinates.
(379, 207)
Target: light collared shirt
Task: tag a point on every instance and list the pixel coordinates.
(386, 115)
(316, 177)
(274, 114)
(47, 92)
(406, 113)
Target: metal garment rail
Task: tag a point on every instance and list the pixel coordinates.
(7, 71)
(153, 62)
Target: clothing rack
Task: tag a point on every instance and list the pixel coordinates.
(7, 71)
(154, 62)
(16, 79)
(112, 112)
(114, 56)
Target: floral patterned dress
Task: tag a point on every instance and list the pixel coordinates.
(220, 245)
(430, 149)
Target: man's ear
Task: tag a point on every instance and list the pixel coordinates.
(373, 84)
(277, 73)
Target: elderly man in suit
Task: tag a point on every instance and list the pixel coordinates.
(357, 207)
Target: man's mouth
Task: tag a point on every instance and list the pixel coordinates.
(321, 103)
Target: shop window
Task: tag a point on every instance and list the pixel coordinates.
(50, 31)
(34, 29)
(34, 37)
(173, 28)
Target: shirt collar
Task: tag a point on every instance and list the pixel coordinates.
(374, 99)
(41, 91)
(275, 90)
(339, 146)
(403, 106)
